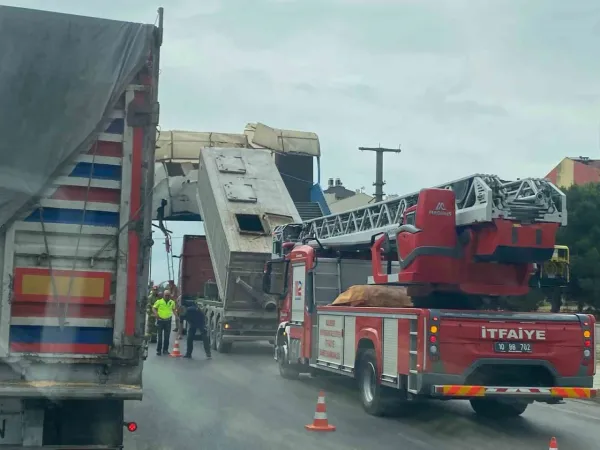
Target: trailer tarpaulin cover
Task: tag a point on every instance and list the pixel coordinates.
(59, 75)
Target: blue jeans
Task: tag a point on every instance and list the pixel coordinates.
(190, 340)
(163, 330)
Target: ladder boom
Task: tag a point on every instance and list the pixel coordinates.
(479, 198)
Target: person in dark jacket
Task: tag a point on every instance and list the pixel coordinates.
(196, 321)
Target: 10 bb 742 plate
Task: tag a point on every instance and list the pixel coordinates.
(513, 347)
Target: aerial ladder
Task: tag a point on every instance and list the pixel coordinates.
(502, 228)
(479, 198)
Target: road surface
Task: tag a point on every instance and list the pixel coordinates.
(238, 401)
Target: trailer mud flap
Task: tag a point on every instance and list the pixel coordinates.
(460, 391)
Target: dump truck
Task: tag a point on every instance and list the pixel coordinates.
(195, 271)
(195, 267)
(403, 295)
(80, 112)
(242, 199)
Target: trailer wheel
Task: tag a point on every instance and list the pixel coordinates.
(212, 334)
(492, 408)
(285, 369)
(370, 389)
(221, 347)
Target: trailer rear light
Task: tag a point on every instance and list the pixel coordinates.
(587, 334)
(433, 329)
(433, 349)
(432, 339)
(131, 426)
(587, 344)
(587, 353)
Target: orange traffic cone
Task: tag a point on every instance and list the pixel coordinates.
(176, 353)
(553, 444)
(320, 422)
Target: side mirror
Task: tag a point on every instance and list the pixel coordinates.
(387, 245)
(275, 277)
(266, 281)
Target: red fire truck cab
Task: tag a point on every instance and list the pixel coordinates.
(500, 361)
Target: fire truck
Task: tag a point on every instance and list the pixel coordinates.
(456, 249)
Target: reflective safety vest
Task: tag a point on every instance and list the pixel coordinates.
(164, 308)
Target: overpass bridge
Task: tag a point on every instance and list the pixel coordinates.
(176, 168)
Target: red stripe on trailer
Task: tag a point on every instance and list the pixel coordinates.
(38, 347)
(104, 148)
(75, 311)
(82, 193)
(134, 215)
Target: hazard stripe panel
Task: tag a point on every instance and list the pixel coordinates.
(491, 391)
(72, 286)
(461, 391)
(574, 392)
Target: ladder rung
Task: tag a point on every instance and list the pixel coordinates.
(414, 333)
(412, 371)
(414, 352)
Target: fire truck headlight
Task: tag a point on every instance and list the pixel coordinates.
(587, 353)
(433, 349)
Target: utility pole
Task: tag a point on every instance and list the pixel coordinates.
(379, 151)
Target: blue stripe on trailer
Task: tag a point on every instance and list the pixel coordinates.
(117, 126)
(100, 171)
(27, 334)
(75, 216)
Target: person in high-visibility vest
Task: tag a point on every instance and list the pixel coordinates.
(151, 318)
(164, 309)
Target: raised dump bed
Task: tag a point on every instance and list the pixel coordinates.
(242, 198)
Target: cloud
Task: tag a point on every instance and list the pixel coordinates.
(504, 87)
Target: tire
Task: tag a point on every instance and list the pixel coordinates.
(370, 389)
(212, 334)
(285, 370)
(220, 346)
(494, 409)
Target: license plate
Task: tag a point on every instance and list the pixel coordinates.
(513, 347)
(11, 422)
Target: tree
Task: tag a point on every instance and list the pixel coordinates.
(582, 236)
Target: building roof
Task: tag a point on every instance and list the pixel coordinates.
(358, 200)
(575, 170)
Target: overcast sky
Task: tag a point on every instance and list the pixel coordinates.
(507, 87)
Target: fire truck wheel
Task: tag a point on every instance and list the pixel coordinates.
(370, 390)
(285, 369)
(495, 409)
